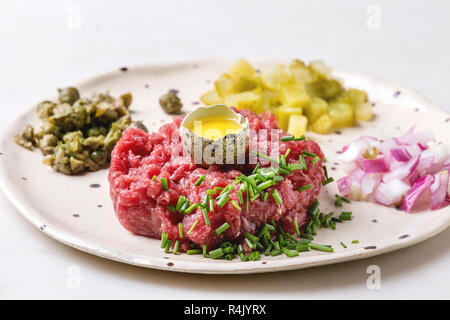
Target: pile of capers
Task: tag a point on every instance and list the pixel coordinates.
(78, 134)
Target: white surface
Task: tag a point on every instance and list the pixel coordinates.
(39, 53)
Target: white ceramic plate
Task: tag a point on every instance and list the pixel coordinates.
(71, 211)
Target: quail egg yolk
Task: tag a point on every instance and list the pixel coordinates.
(214, 128)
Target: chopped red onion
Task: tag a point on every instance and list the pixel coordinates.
(402, 170)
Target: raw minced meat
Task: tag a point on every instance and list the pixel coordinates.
(141, 205)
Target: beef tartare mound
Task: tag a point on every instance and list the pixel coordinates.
(145, 206)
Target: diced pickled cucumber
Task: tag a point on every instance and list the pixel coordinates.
(343, 114)
(288, 91)
(210, 98)
(275, 77)
(356, 96)
(243, 83)
(323, 125)
(325, 89)
(297, 125)
(363, 111)
(320, 69)
(224, 85)
(283, 113)
(269, 100)
(301, 72)
(294, 95)
(250, 100)
(241, 68)
(315, 109)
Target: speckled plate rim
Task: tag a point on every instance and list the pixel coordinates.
(220, 267)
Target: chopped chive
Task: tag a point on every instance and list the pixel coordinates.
(270, 227)
(191, 208)
(180, 202)
(168, 245)
(268, 249)
(306, 236)
(345, 215)
(164, 238)
(251, 183)
(265, 184)
(172, 208)
(305, 187)
(235, 205)
(205, 248)
(164, 185)
(277, 245)
(223, 199)
(306, 153)
(254, 256)
(265, 196)
(320, 247)
(176, 246)
(251, 191)
(206, 217)
(154, 177)
(211, 205)
(275, 253)
(325, 172)
(211, 191)
(332, 224)
(185, 206)
(229, 256)
(287, 138)
(300, 138)
(291, 237)
(264, 156)
(276, 197)
(290, 253)
(355, 241)
(251, 237)
(315, 157)
(339, 200)
(193, 251)
(180, 229)
(193, 227)
(250, 243)
(226, 189)
(256, 168)
(302, 163)
(278, 178)
(327, 181)
(343, 244)
(241, 199)
(214, 254)
(222, 228)
(283, 171)
(312, 210)
(297, 230)
(314, 229)
(256, 196)
(200, 180)
(286, 154)
(246, 197)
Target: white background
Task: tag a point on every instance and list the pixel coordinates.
(48, 44)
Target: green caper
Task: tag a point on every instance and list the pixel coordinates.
(170, 102)
(78, 134)
(68, 95)
(99, 156)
